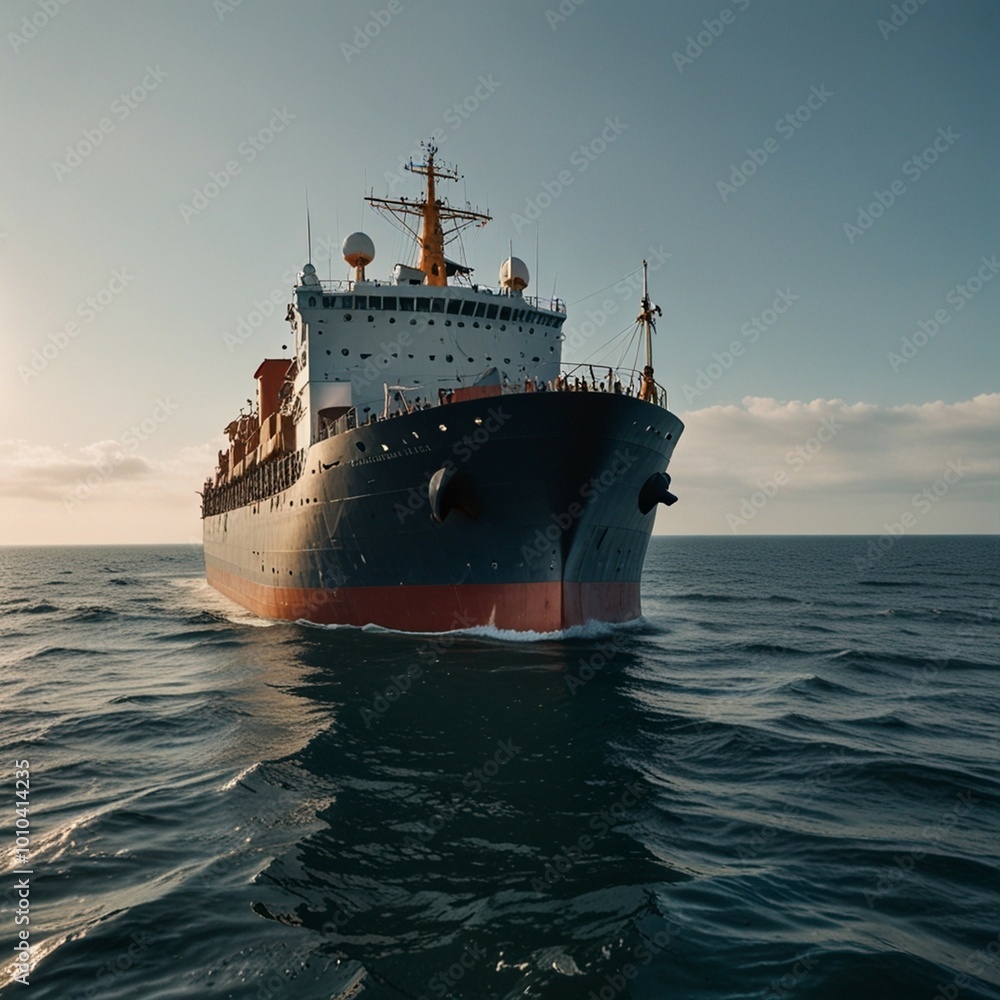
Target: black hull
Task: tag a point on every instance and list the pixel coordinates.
(541, 526)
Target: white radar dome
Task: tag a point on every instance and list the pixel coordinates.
(358, 249)
(514, 274)
(308, 275)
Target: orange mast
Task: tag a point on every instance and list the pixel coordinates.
(431, 238)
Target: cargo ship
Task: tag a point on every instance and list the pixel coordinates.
(422, 460)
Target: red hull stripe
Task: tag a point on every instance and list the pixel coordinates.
(521, 607)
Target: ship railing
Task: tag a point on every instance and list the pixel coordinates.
(262, 481)
(345, 422)
(599, 378)
(556, 305)
(617, 381)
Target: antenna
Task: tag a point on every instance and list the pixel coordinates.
(538, 281)
(309, 233)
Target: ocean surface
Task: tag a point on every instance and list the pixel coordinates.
(783, 782)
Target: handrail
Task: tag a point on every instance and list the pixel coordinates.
(326, 285)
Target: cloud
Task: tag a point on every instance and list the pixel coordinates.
(826, 456)
(40, 472)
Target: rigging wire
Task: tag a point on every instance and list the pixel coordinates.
(606, 287)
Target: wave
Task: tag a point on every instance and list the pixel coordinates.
(866, 659)
(94, 613)
(50, 652)
(818, 686)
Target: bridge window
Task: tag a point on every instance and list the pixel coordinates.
(423, 305)
(406, 303)
(437, 305)
(468, 307)
(454, 305)
(481, 309)
(360, 301)
(388, 301)
(374, 302)
(505, 312)
(491, 312)
(343, 301)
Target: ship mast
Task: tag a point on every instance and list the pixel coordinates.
(431, 236)
(647, 388)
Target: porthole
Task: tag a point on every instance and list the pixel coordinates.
(347, 317)
(343, 351)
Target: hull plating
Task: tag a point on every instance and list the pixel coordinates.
(555, 539)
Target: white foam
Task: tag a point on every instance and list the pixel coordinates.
(233, 782)
(589, 630)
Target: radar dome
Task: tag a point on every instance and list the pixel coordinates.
(514, 274)
(308, 275)
(358, 249)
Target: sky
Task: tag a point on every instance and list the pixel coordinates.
(815, 186)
